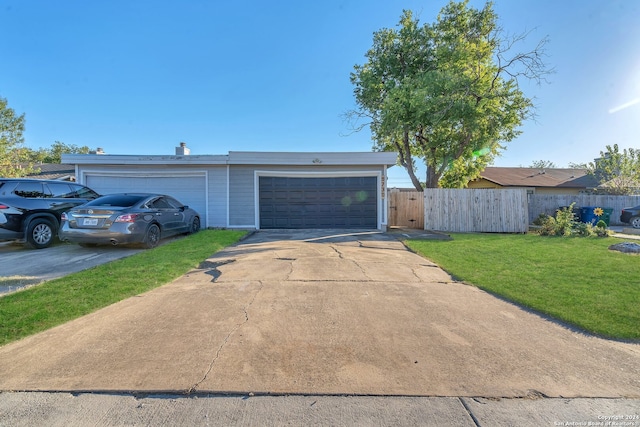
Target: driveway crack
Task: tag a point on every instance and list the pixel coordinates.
(341, 256)
(245, 309)
(337, 251)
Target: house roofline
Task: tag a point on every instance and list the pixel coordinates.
(240, 158)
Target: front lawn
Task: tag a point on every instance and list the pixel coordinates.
(55, 302)
(577, 280)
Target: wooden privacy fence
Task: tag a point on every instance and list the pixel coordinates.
(476, 210)
(549, 203)
(489, 210)
(406, 209)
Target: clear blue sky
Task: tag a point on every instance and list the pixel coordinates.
(138, 77)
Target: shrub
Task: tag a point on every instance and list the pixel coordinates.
(548, 227)
(541, 219)
(584, 229)
(565, 221)
(601, 229)
(566, 224)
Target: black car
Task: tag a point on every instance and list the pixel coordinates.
(631, 216)
(128, 218)
(30, 209)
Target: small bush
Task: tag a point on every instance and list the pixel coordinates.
(601, 229)
(548, 227)
(561, 225)
(584, 229)
(565, 221)
(541, 219)
(566, 224)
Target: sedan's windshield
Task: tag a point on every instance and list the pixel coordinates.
(121, 200)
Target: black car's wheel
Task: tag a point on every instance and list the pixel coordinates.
(195, 225)
(39, 233)
(635, 222)
(152, 237)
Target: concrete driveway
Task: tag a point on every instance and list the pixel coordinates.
(21, 266)
(320, 313)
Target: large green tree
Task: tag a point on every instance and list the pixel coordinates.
(617, 171)
(12, 152)
(446, 93)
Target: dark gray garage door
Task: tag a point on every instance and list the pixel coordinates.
(342, 202)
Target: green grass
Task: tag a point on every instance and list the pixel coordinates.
(576, 280)
(58, 301)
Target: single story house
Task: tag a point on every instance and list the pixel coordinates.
(539, 181)
(254, 190)
(53, 171)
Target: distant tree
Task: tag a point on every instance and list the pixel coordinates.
(543, 164)
(617, 171)
(445, 93)
(12, 152)
(55, 152)
(578, 166)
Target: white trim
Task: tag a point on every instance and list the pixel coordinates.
(311, 158)
(311, 174)
(385, 200)
(228, 221)
(126, 159)
(317, 158)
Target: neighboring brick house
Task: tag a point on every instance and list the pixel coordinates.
(539, 181)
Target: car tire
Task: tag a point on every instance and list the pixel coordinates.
(195, 225)
(635, 222)
(151, 237)
(39, 233)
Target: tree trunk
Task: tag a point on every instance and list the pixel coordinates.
(404, 152)
(414, 179)
(432, 177)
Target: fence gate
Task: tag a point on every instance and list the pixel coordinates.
(406, 209)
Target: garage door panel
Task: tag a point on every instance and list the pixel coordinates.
(338, 202)
(189, 190)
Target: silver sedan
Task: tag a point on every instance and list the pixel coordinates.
(128, 218)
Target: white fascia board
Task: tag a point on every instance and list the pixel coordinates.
(241, 158)
(121, 159)
(312, 158)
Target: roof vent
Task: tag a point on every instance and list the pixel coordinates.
(182, 150)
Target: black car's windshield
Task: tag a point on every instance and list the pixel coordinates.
(120, 200)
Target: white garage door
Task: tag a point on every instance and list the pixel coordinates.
(189, 190)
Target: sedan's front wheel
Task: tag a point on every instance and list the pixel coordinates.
(195, 225)
(152, 237)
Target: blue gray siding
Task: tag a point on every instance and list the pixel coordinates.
(242, 192)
